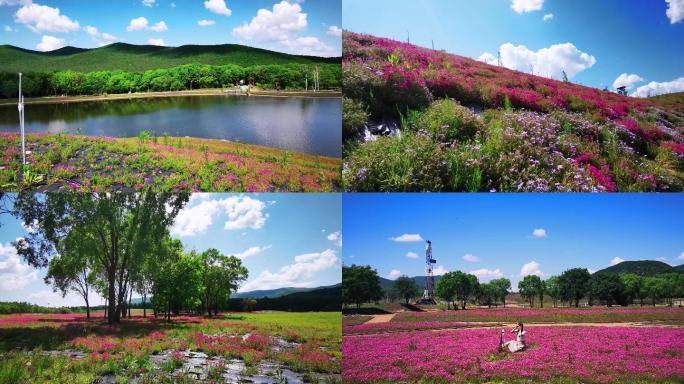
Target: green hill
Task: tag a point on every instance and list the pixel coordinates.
(641, 268)
(136, 58)
(316, 299)
(272, 293)
(680, 267)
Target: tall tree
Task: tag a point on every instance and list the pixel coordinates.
(501, 287)
(71, 274)
(406, 287)
(553, 289)
(360, 284)
(574, 284)
(607, 287)
(221, 275)
(529, 287)
(117, 230)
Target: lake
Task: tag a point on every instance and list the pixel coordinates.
(310, 125)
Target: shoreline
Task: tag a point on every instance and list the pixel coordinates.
(146, 95)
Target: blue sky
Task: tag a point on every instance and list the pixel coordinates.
(293, 26)
(631, 37)
(284, 239)
(510, 235)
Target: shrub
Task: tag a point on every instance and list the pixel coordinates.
(448, 121)
(354, 116)
(410, 163)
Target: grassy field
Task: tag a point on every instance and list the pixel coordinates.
(128, 57)
(41, 348)
(87, 164)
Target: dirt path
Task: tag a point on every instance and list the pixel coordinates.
(381, 319)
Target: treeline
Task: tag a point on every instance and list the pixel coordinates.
(184, 77)
(22, 307)
(361, 284)
(117, 244)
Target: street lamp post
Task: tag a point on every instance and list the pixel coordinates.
(21, 123)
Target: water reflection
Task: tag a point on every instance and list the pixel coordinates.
(311, 125)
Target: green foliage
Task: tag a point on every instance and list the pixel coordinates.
(360, 284)
(574, 284)
(406, 288)
(449, 121)
(183, 77)
(608, 288)
(530, 287)
(500, 288)
(22, 307)
(410, 163)
(354, 116)
(507, 104)
(457, 286)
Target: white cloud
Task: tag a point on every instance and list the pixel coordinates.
(548, 62)
(14, 2)
(99, 38)
(173, 5)
(406, 238)
(653, 88)
(539, 232)
(439, 271)
(159, 42)
(675, 10)
(488, 58)
(218, 6)
(616, 260)
(242, 212)
(7, 28)
(298, 274)
(412, 255)
(14, 273)
(522, 6)
(138, 24)
(627, 80)
(547, 17)
(309, 46)
(681, 256)
(471, 258)
(159, 27)
(148, 3)
(484, 275)
(336, 237)
(334, 30)
(591, 271)
(394, 274)
(275, 25)
(251, 251)
(531, 268)
(48, 298)
(205, 23)
(41, 18)
(50, 43)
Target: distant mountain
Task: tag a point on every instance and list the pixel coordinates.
(641, 268)
(129, 57)
(420, 281)
(680, 267)
(274, 293)
(316, 299)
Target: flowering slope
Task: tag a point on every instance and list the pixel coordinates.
(88, 164)
(573, 353)
(529, 134)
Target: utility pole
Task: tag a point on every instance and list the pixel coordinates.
(21, 123)
(408, 37)
(433, 45)
(429, 292)
(500, 62)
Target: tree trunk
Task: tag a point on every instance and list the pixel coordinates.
(112, 313)
(504, 301)
(144, 305)
(87, 307)
(130, 298)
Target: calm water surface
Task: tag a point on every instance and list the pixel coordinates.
(310, 125)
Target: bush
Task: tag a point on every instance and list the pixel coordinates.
(410, 163)
(448, 121)
(354, 116)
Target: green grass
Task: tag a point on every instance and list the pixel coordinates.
(127, 57)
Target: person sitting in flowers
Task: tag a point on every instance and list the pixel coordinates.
(516, 345)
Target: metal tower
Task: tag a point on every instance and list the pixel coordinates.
(429, 292)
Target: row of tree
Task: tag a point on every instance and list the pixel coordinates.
(361, 284)
(185, 77)
(23, 307)
(117, 244)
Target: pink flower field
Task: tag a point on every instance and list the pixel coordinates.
(586, 354)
